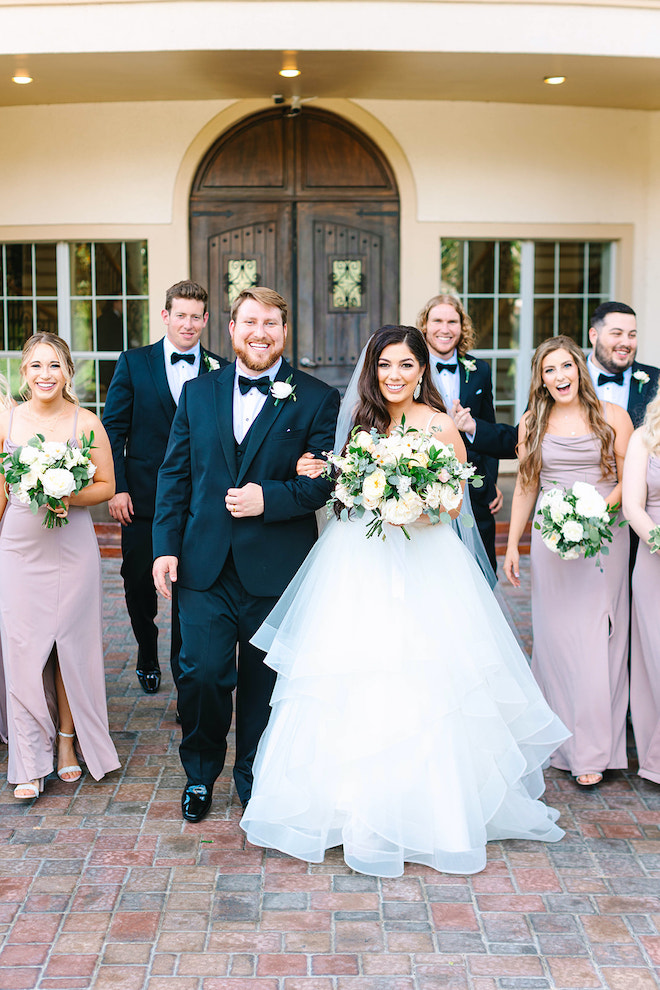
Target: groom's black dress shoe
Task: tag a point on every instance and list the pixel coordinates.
(149, 679)
(195, 802)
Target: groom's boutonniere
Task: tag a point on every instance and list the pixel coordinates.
(469, 366)
(641, 378)
(210, 363)
(281, 391)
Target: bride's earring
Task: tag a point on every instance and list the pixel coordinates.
(418, 389)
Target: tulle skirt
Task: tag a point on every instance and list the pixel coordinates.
(405, 724)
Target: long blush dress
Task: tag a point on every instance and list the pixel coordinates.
(50, 595)
(645, 640)
(580, 624)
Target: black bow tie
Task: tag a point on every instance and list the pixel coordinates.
(446, 367)
(615, 379)
(190, 358)
(245, 384)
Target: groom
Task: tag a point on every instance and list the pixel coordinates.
(233, 523)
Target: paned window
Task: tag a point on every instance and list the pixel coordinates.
(94, 294)
(520, 292)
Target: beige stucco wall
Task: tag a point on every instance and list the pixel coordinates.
(466, 169)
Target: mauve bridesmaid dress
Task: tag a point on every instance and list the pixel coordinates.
(580, 624)
(645, 641)
(50, 593)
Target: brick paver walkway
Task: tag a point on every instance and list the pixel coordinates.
(103, 886)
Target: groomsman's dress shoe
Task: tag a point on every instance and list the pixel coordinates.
(195, 802)
(149, 679)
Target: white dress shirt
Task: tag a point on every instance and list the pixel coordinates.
(181, 372)
(247, 407)
(611, 392)
(448, 383)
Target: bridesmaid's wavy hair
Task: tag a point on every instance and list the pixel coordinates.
(541, 403)
(651, 425)
(468, 333)
(372, 408)
(61, 348)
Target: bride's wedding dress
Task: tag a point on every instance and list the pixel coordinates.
(405, 725)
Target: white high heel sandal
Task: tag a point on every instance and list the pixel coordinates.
(34, 787)
(72, 769)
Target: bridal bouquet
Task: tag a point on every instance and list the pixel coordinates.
(654, 539)
(398, 478)
(44, 472)
(576, 521)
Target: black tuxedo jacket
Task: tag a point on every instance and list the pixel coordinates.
(192, 522)
(476, 391)
(138, 414)
(500, 439)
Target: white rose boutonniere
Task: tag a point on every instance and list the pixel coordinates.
(469, 366)
(641, 378)
(281, 391)
(210, 363)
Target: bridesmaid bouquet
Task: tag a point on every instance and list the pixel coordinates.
(45, 472)
(576, 522)
(398, 478)
(654, 539)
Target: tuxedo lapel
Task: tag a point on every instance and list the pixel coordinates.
(263, 423)
(157, 368)
(224, 414)
(466, 390)
(636, 398)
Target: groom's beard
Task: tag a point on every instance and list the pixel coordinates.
(253, 362)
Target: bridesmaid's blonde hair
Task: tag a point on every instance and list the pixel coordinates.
(651, 424)
(541, 403)
(61, 348)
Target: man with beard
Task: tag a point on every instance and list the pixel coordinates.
(617, 377)
(233, 523)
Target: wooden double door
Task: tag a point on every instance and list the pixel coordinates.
(307, 205)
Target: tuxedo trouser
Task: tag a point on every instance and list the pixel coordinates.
(141, 598)
(213, 623)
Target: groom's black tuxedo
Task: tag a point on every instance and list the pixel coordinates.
(232, 570)
(138, 414)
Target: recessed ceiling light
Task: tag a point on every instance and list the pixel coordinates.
(22, 78)
(554, 80)
(290, 73)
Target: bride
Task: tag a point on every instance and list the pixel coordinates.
(405, 724)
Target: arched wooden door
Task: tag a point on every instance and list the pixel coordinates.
(308, 206)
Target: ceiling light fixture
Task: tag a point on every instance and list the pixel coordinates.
(289, 68)
(554, 80)
(22, 78)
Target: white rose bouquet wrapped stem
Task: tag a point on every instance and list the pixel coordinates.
(576, 522)
(398, 478)
(44, 473)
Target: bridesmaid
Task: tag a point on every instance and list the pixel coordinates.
(6, 402)
(579, 612)
(50, 591)
(641, 506)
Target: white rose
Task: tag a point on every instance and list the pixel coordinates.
(404, 510)
(590, 504)
(373, 488)
(572, 531)
(54, 450)
(91, 470)
(58, 482)
(74, 456)
(28, 455)
(449, 499)
(559, 509)
(342, 493)
(432, 495)
(418, 459)
(21, 494)
(30, 478)
(281, 390)
(549, 497)
(363, 441)
(552, 541)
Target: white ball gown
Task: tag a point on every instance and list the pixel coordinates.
(406, 724)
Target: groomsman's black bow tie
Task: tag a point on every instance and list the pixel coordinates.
(190, 358)
(446, 367)
(615, 379)
(245, 384)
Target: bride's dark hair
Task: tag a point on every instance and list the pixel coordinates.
(371, 410)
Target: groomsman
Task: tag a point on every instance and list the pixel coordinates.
(616, 375)
(139, 410)
(233, 523)
(461, 378)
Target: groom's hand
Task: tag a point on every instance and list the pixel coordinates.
(164, 567)
(245, 501)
